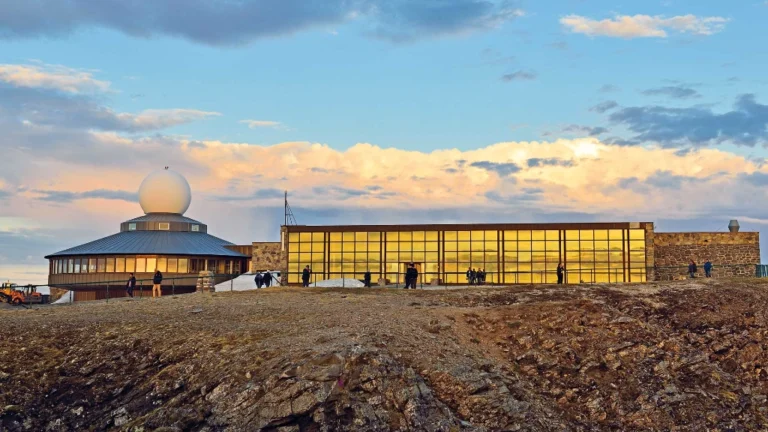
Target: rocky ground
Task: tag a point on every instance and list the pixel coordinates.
(687, 356)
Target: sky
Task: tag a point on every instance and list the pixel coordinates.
(379, 111)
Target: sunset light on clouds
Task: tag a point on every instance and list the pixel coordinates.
(404, 116)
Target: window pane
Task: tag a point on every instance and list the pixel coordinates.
(405, 236)
(418, 246)
(110, 265)
(450, 236)
(151, 265)
(141, 265)
(183, 265)
(524, 257)
(305, 247)
(615, 234)
(491, 245)
(418, 236)
(318, 247)
(431, 236)
(162, 264)
(293, 237)
(538, 246)
(451, 257)
(374, 236)
(77, 265)
(374, 246)
(464, 236)
(120, 265)
(537, 235)
(510, 246)
(361, 237)
(524, 246)
(173, 265)
(335, 236)
(431, 246)
(318, 237)
(637, 245)
(478, 236)
(405, 247)
(586, 235)
(510, 256)
(305, 237)
(418, 257)
(510, 235)
(101, 265)
(571, 235)
(391, 236)
(491, 235)
(477, 246)
(637, 234)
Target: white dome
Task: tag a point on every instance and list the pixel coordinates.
(165, 191)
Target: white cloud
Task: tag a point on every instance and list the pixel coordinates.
(628, 27)
(54, 77)
(253, 124)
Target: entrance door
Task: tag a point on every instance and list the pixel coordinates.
(404, 267)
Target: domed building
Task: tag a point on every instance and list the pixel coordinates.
(163, 239)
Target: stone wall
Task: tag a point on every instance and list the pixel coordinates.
(731, 254)
(269, 256)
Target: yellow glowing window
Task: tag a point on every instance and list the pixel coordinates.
(491, 235)
(464, 236)
(405, 236)
(335, 237)
(586, 235)
(524, 235)
(431, 236)
(524, 246)
(464, 246)
(510, 235)
(571, 235)
(615, 234)
(418, 236)
(538, 245)
(374, 236)
(601, 234)
(318, 237)
(293, 237)
(418, 246)
(537, 235)
(637, 234)
(431, 246)
(335, 247)
(305, 236)
(391, 236)
(450, 236)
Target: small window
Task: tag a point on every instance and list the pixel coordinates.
(195, 228)
(164, 226)
(131, 227)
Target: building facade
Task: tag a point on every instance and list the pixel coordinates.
(627, 252)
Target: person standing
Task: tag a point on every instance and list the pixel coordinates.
(472, 277)
(367, 278)
(560, 273)
(411, 276)
(692, 269)
(129, 287)
(259, 279)
(708, 269)
(157, 288)
(267, 279)
(305, 276)
(469, 276)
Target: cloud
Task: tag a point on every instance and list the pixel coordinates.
(51, 77)
(539, 162)
(584, 130)
(38, 108)
(608, 88)
(253, 124)
(408, 20)
(502, 169)
(677, 92)
(746, 124)
(603, 107)
(67, 197)
(519, 76)
(221, 22)
(637, 26)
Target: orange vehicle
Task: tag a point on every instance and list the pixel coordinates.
(18, 295)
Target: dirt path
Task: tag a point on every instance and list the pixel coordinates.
(677, 356)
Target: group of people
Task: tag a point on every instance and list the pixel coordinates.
(693, 268)
(263, 279)
(475, 277)
(157, 284)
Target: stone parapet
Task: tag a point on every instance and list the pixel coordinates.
(732, 254)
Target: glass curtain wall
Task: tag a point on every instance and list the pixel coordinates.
(506, 256)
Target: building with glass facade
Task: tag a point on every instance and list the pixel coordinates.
(508, 253)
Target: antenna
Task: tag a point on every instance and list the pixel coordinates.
(289, 218)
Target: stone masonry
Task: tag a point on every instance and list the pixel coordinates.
(731, 254)
(269, 256)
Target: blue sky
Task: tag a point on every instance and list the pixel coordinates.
(435, 92)
(643, 111)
